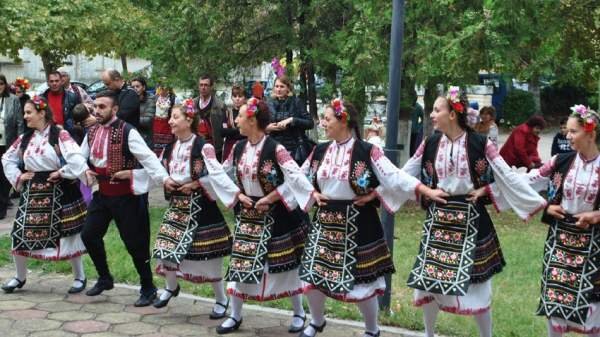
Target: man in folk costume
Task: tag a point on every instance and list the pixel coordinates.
(114, 148)
(459, 250)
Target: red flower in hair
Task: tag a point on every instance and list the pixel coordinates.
(339, 110)
(458, 107)
(589, 126)
(251, 107)
(188, 108)
(39, 102)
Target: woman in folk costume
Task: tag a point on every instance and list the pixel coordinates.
(194, 237)
(570, 293)
(269, 235)
(459, 251)
(161, 133)
(346, 255)
(44, 164)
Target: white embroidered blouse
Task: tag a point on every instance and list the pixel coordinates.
(40, 156)
(296, 189)
(509, 189)
(395, 186)
(580, 186)
(216, 184)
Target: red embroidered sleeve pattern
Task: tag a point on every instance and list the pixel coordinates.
(376, 153)
(283, 156)
(209, 152)
(64, 136)
(491, 151)
(547, 168)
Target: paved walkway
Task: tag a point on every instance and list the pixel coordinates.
(43, 309)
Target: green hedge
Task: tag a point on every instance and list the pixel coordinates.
(518, 107)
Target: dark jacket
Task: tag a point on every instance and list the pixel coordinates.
(215, 114)
(302, 121)
(70, 100)
(129, 105)
(13, 119)
(560, 144)
(147, 112)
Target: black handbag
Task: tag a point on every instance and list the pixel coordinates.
(305, 147)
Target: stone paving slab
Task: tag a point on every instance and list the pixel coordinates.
(31, 312)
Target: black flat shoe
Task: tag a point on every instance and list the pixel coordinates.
(145, 299)
(158, 303)
(76, 290)
(221, 330)
(9, 289)
(294, 329)
(99, 287)
(317, 329)
(373, 334)
(216, 315)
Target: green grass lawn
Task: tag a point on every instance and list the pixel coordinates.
(516, 289)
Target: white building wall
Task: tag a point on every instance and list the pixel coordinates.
(82, 68)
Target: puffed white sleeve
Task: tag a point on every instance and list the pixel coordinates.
(413, 165)
(152, 166)
(10, 163)
(511, 189)
(76, 164)
(296, 189)
(217, 183)
(396, 186)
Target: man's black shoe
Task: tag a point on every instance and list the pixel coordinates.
(99, 287)
(145, 299)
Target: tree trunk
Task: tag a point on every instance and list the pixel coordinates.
(124, 64)
(48, 62)
(534, 89)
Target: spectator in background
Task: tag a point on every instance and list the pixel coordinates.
(487, 124)
(230, 131)
(84, 118)
(77, 90)
(520, 149)
(147, 108)
(373, 136)
(560, 143)
(61, 102)
(376, 123)
(19, 88)
(161, 131)
(11, 126)
(127, 98)
(416, 128)
(290, 120)
(211, 111)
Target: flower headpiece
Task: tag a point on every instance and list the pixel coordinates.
(251, 107)
(277, 67)
(588, 116)
(188, 108)
(339, 110)
(22, 84)
(39, 102)
(454, 98)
